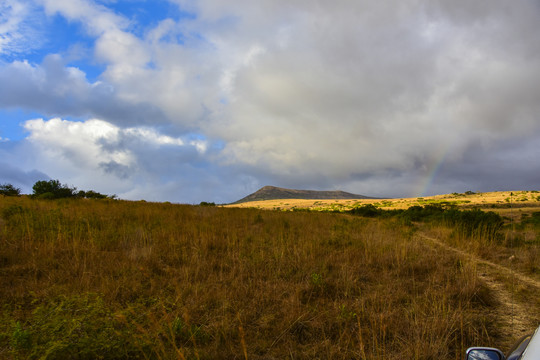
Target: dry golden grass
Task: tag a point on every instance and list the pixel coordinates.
(86, 279)
(499, 201)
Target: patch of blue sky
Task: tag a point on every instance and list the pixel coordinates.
(11, 123)
(92, 70)
(195, 137)
(68, 118)
(60, 36)
(214, 145)
(146, 14)
(217, 145)
(71, 40)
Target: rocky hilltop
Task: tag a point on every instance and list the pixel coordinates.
(274, 193)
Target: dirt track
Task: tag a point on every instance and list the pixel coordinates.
(515, 314)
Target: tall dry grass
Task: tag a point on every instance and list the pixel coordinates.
(86, 279)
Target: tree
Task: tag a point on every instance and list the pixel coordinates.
(205, 203)
(52, 189)
(9, 190)
(91, 194)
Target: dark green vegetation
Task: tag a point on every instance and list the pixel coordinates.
(533, 219)
(89, 279)
(470, 222)
(205, 203)
(9, 190)
(53, 189)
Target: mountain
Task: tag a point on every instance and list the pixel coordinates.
(274, 193)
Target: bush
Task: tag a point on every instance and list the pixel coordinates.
(91, 194)
(422, 213)
(471, 222)
(368, 210)
(52, 189)
(204, 203)
(9, 190)
(533, 220)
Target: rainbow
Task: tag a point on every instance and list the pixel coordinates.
(433, 168)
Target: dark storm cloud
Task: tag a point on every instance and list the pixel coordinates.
(374, 96)
(20, 178)
(504, 165)
(119, 170)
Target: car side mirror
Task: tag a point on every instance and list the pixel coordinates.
(484, 353)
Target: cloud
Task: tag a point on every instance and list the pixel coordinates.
(10, 174)
(388, 98)
(364, 90)
(129, 162)
(79, 142)
(97, 19)
(502, 165)
(166, 79)
(95, 142)
(55, 89)
(17, 27)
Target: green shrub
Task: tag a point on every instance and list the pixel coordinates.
(474, 222)
(78, 327)
(368, 210)
(470, 222)
(52, 189)
(91, 194)
(534, 219)
(204, 203)
(20, 338)
(9, 190)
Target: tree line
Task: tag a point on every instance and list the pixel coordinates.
(53, 189)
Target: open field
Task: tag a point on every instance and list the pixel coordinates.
(86, 279)
(506, 203)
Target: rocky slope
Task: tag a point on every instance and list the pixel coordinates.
(273, 193)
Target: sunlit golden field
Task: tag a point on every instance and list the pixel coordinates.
(503, 202)
(88, 279)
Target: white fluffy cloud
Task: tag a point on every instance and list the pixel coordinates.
(81, 142)
(134, 163)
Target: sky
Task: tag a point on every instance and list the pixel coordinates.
(209, 100)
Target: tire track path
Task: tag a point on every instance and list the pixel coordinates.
(514, 314)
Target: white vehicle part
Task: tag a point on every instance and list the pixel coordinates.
(532, 352)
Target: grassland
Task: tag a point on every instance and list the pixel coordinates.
(89, 279)
(502, 202)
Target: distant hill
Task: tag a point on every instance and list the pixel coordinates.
(274, 193)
